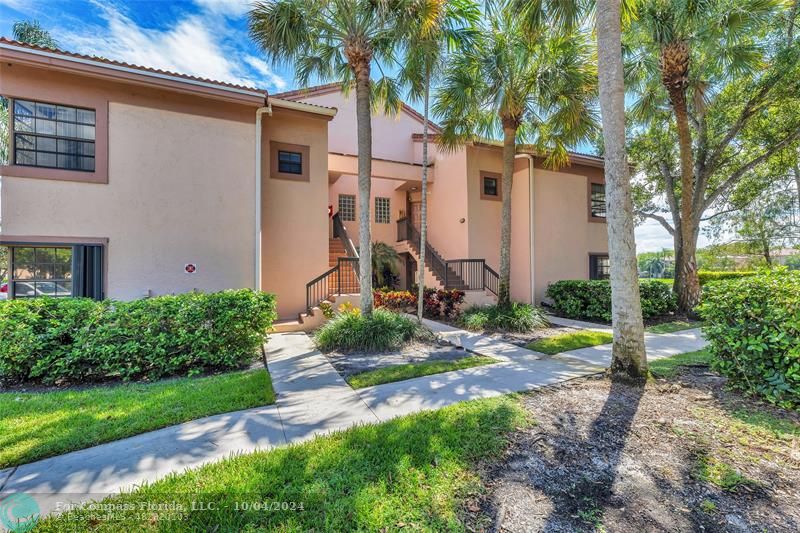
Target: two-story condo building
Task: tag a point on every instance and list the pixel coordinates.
(123, 182)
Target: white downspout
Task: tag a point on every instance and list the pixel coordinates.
(259, 112)
(530, 220)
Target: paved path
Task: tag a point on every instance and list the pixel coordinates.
(312, 399)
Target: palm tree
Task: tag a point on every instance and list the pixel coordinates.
(524, 86)
(437, 27)
(628, 352)
(339, 40)
(682, 50)
(31, 32)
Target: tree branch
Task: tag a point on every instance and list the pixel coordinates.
(733, 178)
(661, 220)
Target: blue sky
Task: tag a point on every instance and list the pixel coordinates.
(201, 37)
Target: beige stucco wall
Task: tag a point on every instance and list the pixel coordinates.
(563, 235)
(391, 134)
(447, 205)
(385, 188)
(180, 191)
(294, 214)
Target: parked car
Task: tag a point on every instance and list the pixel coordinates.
(3, 291)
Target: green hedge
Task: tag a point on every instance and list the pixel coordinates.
(706, 276)
(80, 340)
(753, 325)
(591, 299)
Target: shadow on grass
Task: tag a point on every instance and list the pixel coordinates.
(411, 471)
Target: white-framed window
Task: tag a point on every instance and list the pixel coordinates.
(383, 210)
(347, 207)
(54, 136)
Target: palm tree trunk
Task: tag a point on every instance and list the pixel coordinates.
(364, 127)
(423, 217)
(674, 73)
(628, 352)
(509, 151)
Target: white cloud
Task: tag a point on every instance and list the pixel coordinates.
(652, 237)
(23, 6)
(231, 8)
(192, 45)
(263, 68)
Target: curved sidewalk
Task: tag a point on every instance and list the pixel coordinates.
(312, 399)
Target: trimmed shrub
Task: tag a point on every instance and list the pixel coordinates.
(79, 340)
(591, 299)
(441, 303)
(753, 325)
(707, 276)
(517, 317)
(383, 330)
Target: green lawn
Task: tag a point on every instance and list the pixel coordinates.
(672, 327)
(38, 425)
(390, 374)
(668, 367)
(570, 341)
(412, 473)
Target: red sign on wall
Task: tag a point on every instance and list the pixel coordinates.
(190, 268)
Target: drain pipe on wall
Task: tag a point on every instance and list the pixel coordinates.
(532, 258)
(259, 112)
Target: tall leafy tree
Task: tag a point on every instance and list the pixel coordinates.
(342, 41)
(521, 86)
(436, 29)
(683, 52)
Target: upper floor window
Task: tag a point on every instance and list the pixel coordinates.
(383, 211)
(598, 200)
(290, 162)
(599, 267)
(491, 186)
(347, 207)
(54, 136)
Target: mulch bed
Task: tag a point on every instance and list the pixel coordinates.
(618, 457)
(356, 362)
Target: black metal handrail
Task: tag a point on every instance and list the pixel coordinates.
(341, 279)
(467, 272)
(491, 280)
(340, 232)
(407, 232)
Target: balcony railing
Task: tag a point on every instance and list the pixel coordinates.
(341, 279)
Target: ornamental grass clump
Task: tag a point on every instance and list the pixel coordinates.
(383, 330)
(517, 317)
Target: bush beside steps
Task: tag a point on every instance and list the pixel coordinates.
(350, 331)
(75, 340)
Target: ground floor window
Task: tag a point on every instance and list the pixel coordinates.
(599, 266)
(56, 271)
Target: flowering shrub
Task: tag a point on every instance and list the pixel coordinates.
(441, 303)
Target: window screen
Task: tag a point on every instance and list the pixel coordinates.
(290, 162)
(54, 136)
(598, 200)
(599, 267)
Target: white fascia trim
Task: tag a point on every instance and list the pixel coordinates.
(300, 106)
(120, 68)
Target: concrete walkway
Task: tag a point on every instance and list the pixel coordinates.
(312, 399)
